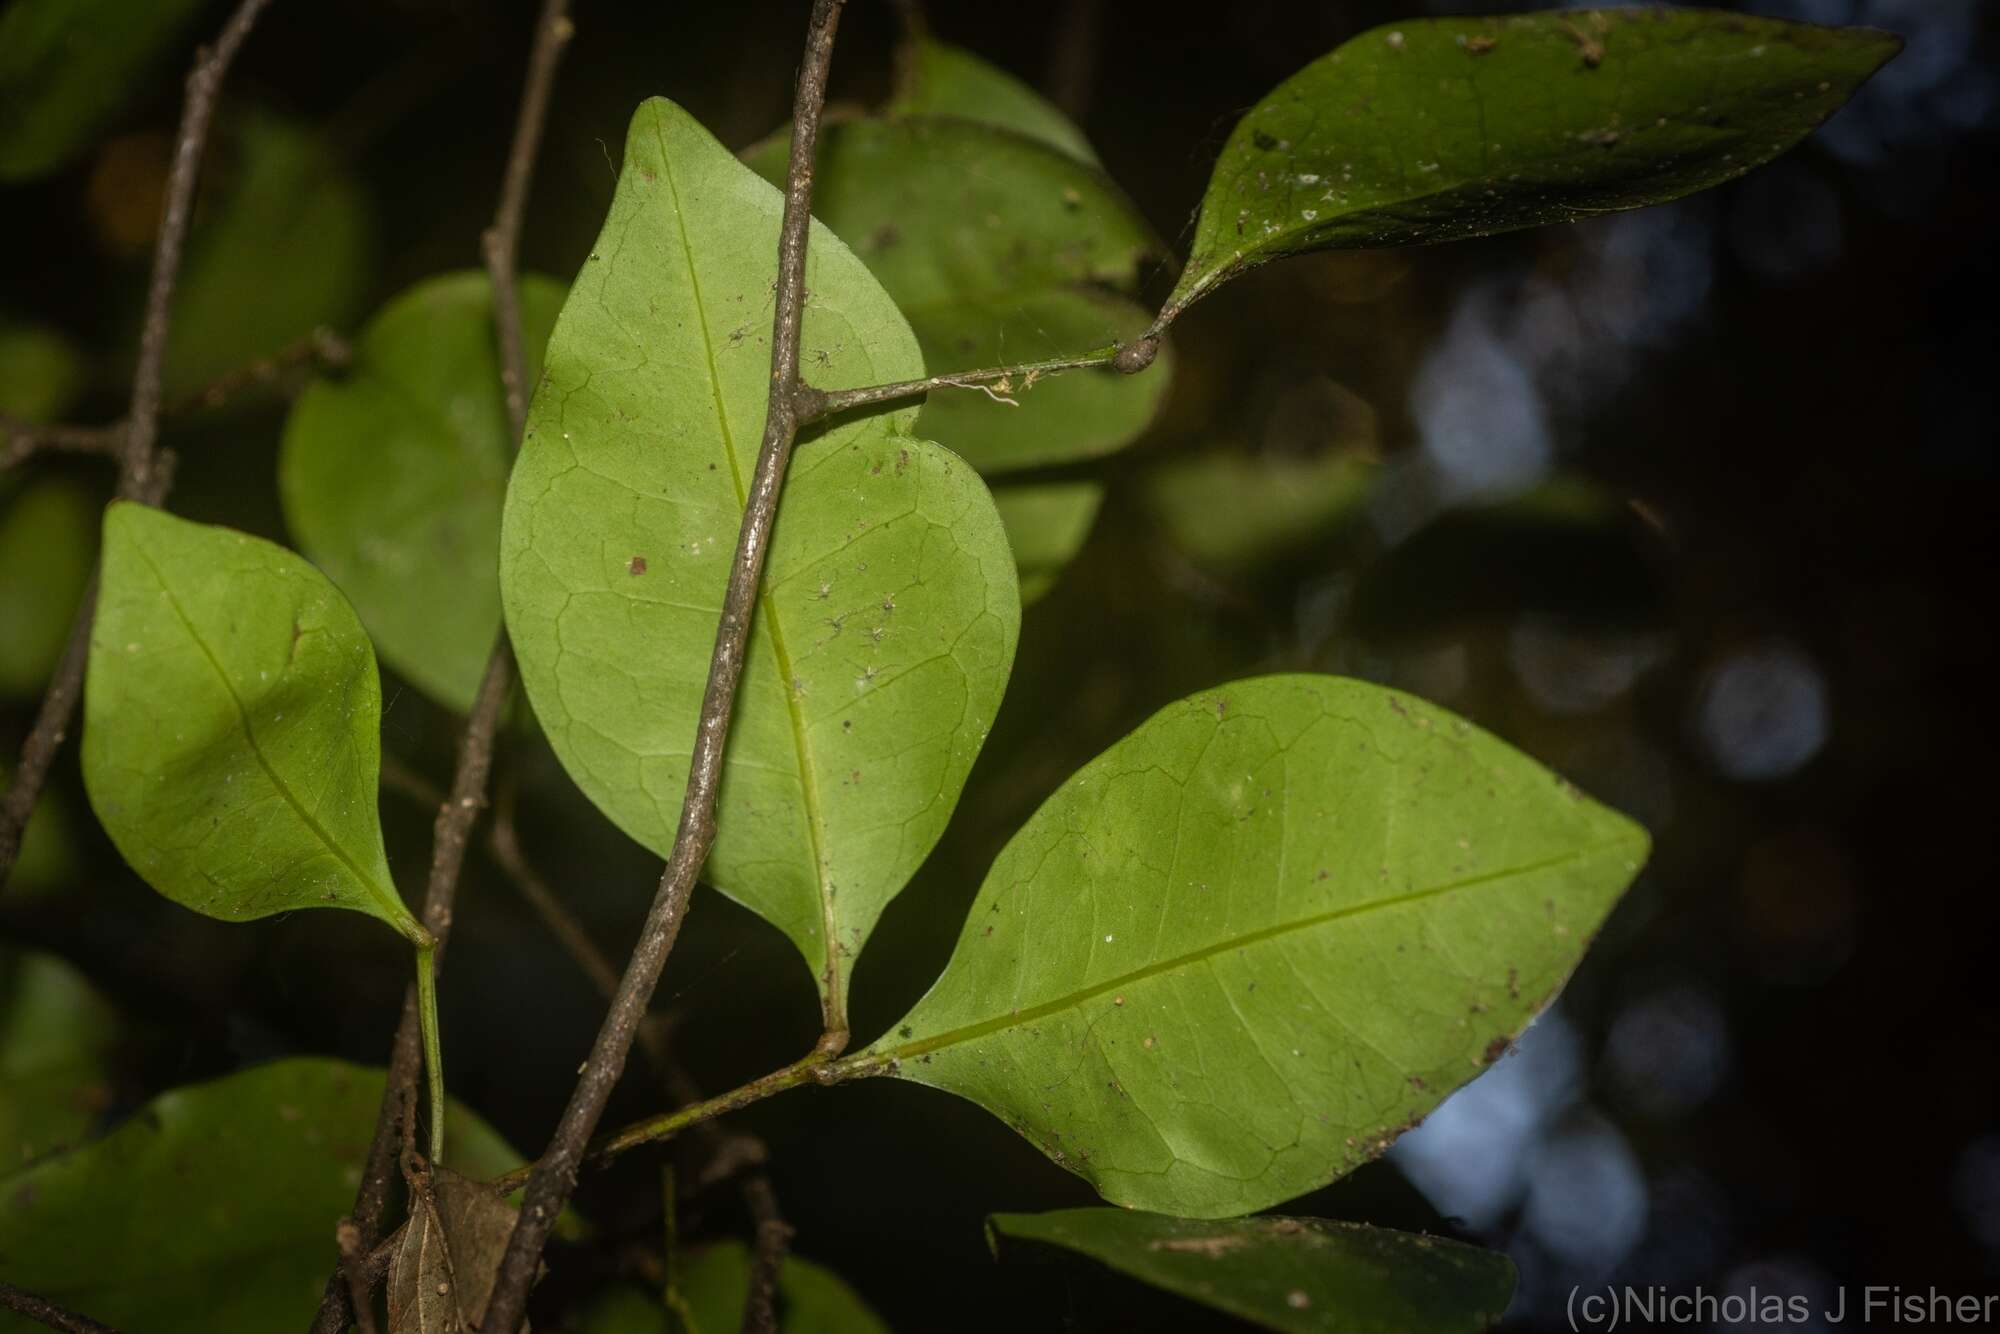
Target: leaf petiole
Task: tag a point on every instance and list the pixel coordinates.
(433, 1056)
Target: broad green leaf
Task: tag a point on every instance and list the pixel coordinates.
(68, 66)
(393, 474)
(1229, 510)
(1438, 129)
(232, 725)
(934, 78)
(56, 1033)
(1000, 250)
(41, 372)
(1245, 948)
(213, 1207)
(715, 1280)
(1302, 1275)
(284, 246)
(1047, 523)
(889, 612)
(48, 540)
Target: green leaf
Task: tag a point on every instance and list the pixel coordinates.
(41, 372)
(48, 541)
(1438, 129)
(1245, 948)
(889, 612)
(213, 1207)
(1230, 510)
(56, 1033)
(1047, 523)
(393, 474)
(1000, 250)
(1302, 1275)
(715, 1281)
(67, 67)
(284, 247)
(937, 79)
(232, 725)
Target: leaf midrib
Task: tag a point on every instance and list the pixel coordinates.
(972, 1032)
(802, 748)
(391, 905)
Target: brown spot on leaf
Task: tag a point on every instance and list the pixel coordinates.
(636, 566)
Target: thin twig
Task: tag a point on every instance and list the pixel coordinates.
(354, 1264)
(996, 382)
(502, 242)
(45, 1312)
(139, 473)
(728, 1154)
(322, 348)
(1073, 56)
(555, 1174)
(767, 1258)
(25, 440)
(460, 810)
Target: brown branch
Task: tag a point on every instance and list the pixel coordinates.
(321, 348)
(501, 243)
(767, 1258)
(456, 816)
(141, 475)
(354, 1264)
(45, 1312)
(555, 1174)
(996, 382)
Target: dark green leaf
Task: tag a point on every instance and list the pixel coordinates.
(937, 79)
(393, 475)
(284, 246)
(55, 1033)
(889, 611)
(1000, 250)
(232, 725)
(213, 1207)
(1245, 948)
(1228, 509)
(48, 540)
(714, 1283)
(68, 66)
(1047, 523)
(1301, 1275)
(41, 373)
(1437, 129)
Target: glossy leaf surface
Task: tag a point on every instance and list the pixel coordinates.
(393, 474)
(212, 1208)
(888, 614)
(1438, 129)
(232, 725)
(1300, 1275)
(1245, 948)
(1000, 250)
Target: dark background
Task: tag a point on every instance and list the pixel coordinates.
(1768, 636)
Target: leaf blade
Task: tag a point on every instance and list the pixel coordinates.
(1157, 1068)
(889, 610)
(204, 641)
(1438, 129)
(392, 475)
(1291, 1274)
